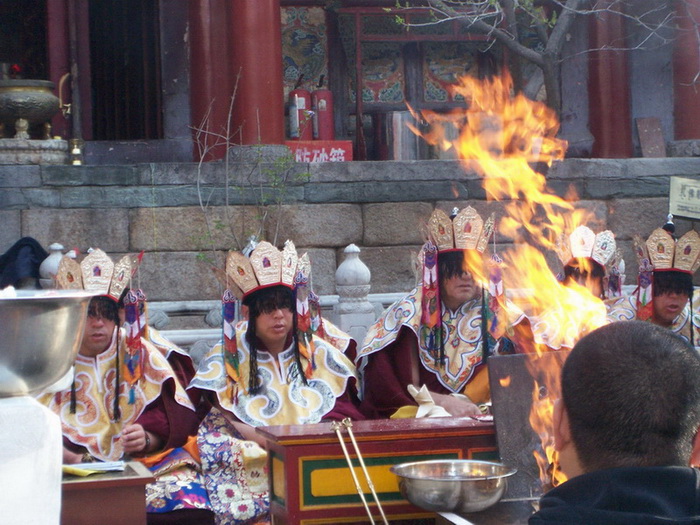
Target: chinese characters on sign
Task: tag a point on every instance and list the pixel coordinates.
(684, 197)
(321, 150)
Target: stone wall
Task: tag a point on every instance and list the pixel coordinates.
(164, 209)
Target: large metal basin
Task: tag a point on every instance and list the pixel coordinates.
(40, 334)
(31, 100)
(452, 485)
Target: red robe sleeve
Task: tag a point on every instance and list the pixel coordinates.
(389, 372)
(170, 421)
(346, 405)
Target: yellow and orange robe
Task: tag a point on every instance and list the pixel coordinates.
(160, 405)
(234, 469)
(93, 425)
(394, 342)
(284, 398)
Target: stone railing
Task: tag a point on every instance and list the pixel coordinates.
(196, 325)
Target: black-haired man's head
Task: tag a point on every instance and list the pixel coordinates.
(587, 273)
(457, 279)
(102, 319)
(672, 289)
(630, 397)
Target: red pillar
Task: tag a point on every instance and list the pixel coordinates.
(210, 86)
(256, 63)
(610, 119)
(686, 65)
(58, 58)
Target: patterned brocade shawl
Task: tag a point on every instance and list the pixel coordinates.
(463, 337)
(161, 343)
(284, 399)
(92, 426)
(625, 309)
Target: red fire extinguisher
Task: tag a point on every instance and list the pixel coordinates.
(322, 104)
(300, 120)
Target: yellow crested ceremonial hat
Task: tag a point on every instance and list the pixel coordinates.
(265, 267)
(584, 243)
(666, 253)
(466, 231)
(97, 273)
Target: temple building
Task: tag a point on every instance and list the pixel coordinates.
(179, 80)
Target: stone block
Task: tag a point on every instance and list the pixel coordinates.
(132, 152)
(165, 173)
(192, 228)
(323, 267)
(571, 169)
(12, 199)
(662, 167)
(42, 197)
(181, 195)
(20, 176)
(683, 148)
(397, 191)
(11, 230)
(69, 175)
(231, 195)
(394, 223)
(255, 154)
(330, 225)
(391, 267)
(279, 175)
(613, 188)
(382, 171)
(107, 197)
(179, 276)
(628, 217)
(107, 229)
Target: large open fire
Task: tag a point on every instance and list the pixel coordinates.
(509, 139)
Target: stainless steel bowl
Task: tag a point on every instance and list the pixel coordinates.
(453, 485)
(40, 334)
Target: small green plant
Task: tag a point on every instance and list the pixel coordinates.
(268, 180)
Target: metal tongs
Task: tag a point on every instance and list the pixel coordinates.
(347, 424)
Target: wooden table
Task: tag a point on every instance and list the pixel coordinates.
(110, 498)
(310, 481)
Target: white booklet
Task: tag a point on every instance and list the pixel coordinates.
(100, 466)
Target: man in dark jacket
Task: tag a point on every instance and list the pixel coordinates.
(625, 430)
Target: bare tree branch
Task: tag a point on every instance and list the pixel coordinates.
(507, 22)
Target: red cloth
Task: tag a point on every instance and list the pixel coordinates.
(389, 372)
(346, 405)
(170, 421)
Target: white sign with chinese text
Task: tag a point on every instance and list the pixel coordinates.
(684, 197)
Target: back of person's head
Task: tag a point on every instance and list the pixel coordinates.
(671, 281)
(632, 394)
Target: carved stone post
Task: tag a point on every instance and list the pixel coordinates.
(354, 313)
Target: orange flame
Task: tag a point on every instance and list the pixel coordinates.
(504, 381)
(502, 137)
(546, 391)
